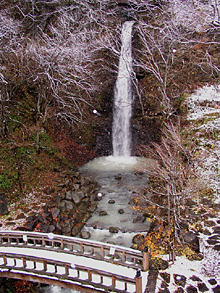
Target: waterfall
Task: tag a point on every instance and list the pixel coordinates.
(121, 135)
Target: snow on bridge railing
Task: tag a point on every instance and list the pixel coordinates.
(67, 273)
(93, 249)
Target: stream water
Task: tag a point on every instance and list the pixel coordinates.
(120, 180)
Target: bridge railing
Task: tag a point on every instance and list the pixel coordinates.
(69, 273)
(97, 250)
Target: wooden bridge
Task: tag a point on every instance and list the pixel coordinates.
(72, 262)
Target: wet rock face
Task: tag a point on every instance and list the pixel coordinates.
(3, 204)
(70, 207)
(103, 140)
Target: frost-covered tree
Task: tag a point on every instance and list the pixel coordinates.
(170, 174)
(60, 64)
(10, 38)
(169, 44)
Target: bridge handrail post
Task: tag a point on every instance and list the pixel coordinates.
(113, 281)
(138, 281)
(43, 241)
(61, 244)
(67, 269)
(102, 252)
(45, 265)
(24, 262)
(146, 259)
(8, 237)
(24, 238)
(89, 275)
(124, 256)
(5, 259)
(78, 273)
(82, 247)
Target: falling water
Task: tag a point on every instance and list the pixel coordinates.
(123, 96)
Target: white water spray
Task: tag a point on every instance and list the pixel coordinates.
(121, 135)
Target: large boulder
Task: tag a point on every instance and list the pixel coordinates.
(191, 239)
(77, 229)
(138, 239)
(85, 234)
(82, 208)
(158, 264)
(55, 212)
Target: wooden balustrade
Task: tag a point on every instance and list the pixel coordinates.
(96, 250)
(67, 272)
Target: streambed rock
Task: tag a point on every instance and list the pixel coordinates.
(111, 201)
(118, 177)
(113, 229)
(139, 219)
(70, 207)
(103, 213)
(85, 234)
